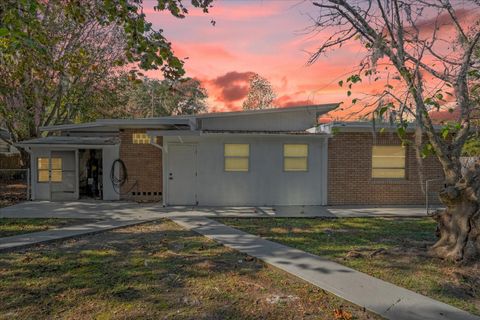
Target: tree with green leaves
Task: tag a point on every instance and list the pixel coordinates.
(260, 94)
(56, 56)
(424, 52)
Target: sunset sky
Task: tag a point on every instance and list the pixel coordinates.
(266, 37)
(269, 37)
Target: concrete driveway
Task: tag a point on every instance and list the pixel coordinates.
(118, 210)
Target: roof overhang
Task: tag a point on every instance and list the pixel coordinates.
(69, 142)
(363, 126)
(319, 109)
(105, 124)
(167, 133)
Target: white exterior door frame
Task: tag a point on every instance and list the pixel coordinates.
(187, 183)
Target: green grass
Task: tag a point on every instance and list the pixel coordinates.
(154, 271)
(15, 226)
(391, 249)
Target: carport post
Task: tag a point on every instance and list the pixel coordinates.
(28, 184)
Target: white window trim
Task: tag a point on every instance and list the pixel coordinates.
(296, 157)
(236, 157)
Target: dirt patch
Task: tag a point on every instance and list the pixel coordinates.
(12, 193)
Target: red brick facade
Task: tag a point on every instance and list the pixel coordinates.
(350, 179)
(144, 168)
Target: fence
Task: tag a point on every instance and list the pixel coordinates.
(14, 186)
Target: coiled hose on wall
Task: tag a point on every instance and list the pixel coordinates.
(122, 178)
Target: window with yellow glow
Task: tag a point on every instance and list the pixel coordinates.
(236, 156)
(388, 162)
(295, 157)
(142, 138)
(49, 170)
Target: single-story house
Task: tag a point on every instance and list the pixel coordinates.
(248, 158)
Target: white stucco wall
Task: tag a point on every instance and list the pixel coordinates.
(266, 183)
(110, 154)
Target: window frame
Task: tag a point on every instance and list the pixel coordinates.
(225, 157)
(47, 170)
(145, 139)
(284, 157)
(404, 168)
(50, 169)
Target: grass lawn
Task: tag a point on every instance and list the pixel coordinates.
(14, 226)
(155, 271)
(391, 249)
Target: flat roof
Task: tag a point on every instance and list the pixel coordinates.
(321, 108)
(163, 122)
(65, 140)
(362, 126)
(184, 120)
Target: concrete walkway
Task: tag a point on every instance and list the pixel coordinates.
(378, 296)
(28, 239)
(119, 210)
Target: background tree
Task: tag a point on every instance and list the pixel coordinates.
(260, 95)
(426, 53)
(56, 56)
(148, 97)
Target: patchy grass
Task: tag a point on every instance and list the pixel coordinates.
(391, 249)
(14, 226)
(155, 271)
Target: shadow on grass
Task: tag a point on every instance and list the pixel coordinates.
(153, 272)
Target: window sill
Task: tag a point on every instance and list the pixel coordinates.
(390, 181)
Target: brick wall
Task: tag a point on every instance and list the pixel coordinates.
(144, 167)
(349, 173)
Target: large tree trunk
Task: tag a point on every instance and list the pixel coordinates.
(459, 223)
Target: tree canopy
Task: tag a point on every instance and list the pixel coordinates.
(260, 95)
(58, 58)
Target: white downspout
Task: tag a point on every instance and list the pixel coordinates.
(153, 143)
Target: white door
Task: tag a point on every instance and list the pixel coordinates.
(181, 175)
(63, 176)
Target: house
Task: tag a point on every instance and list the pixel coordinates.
(255, 158)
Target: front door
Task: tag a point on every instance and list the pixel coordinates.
(63, 176)
(181, 175)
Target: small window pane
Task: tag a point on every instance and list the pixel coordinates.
(42, 163)
(142, 138)
(42, 175)
(56, 175)
(56, 163)
(236, 164)
(388, 173)
(237, 150)
(389, 151)
(388, 162)
(295, 164)
(295, 150)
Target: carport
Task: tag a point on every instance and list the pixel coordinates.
(56, 165)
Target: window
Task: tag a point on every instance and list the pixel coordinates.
(388, 162)
(43, 169)
(142, 138)
(49, 169)
(295, 157)
(56, 170)
(236, 157)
